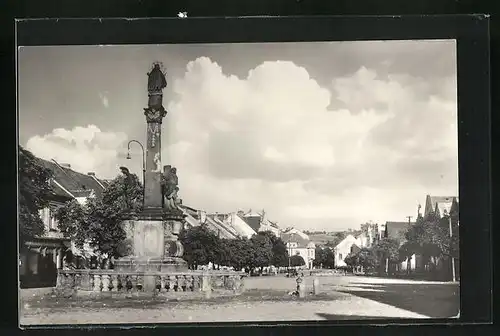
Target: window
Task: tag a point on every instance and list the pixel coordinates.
(51, 220)
(340, 256)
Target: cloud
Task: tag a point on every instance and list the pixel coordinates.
(311, 155)
(87, 149)
(368, 145)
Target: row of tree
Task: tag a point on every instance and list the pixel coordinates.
(429, 237)
(202, 246)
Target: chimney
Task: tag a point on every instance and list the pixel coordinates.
(91, 174)
(65, 165)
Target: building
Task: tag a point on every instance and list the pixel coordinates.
(444, 206)
(344, 248)
(225, 225)
(298, 243)
(439, 204)
(40, 257)
(369, 236)
(258, 222)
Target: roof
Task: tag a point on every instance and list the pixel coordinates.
(76, 183)
(239, 225)
(219, 229)
(298, 232)
(347, 238)
(253, 222)
(396, 230)
(294, 238)
(439, 203)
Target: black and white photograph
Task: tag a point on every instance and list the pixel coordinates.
(238, 182)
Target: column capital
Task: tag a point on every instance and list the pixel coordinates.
(155, 115)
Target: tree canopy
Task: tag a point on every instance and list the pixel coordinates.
(202, 246)
(324, 257)
(297, 260)
(34, 194)
(98, 223)
(430, 236)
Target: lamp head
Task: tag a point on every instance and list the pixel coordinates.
(128, 156)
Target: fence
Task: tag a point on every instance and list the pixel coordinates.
(133, 282)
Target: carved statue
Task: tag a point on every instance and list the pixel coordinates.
(169, 186)
(156, 79)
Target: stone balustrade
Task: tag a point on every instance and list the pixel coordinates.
(102, 281)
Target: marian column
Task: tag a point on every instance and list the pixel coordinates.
(155, 112)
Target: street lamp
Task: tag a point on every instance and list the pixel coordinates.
(143, 162)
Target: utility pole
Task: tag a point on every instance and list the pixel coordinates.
(409, 219)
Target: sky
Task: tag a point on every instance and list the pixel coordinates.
(323, 135)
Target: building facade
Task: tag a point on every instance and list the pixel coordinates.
(40, 257)
(298, 243)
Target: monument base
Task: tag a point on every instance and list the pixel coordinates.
(152, 245)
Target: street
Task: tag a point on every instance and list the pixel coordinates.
(266, 299)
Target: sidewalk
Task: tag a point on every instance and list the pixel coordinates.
(350, 307)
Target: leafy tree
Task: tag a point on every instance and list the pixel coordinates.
(99, 222)
(297, 260)
(367, 258)
(262, 250)
(34, 192)
(279, 250)
(201, 246)
(430, 237)
(324, 256)
(387, 250)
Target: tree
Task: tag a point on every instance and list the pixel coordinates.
(34, 193)
(297, 260)
(324, 257)
(387, 250)
(262, 250)
(430, 237)
(201, 246)
(98, 223)
(279, 250)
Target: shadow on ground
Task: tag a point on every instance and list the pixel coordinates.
(61, 304)
(433, 300)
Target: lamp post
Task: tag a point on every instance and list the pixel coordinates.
(143, 162)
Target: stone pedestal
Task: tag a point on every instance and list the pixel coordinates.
(152, 246)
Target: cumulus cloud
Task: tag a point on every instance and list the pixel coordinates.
(368, 146)
(87, 149)
(312, 155)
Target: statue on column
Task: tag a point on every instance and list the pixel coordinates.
(169, 187)
(156, 79)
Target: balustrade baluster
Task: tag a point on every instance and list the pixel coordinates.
(182, 283)
(105, 282)
(97, 283)
(133, 283)
(128, 283)
(173, 283)
(114, 283)
(163, 283)
(158, 283)
(140, 281)
(189, 283)
(168, 283)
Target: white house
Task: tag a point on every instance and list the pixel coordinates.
(343, 249)
(298, 243)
